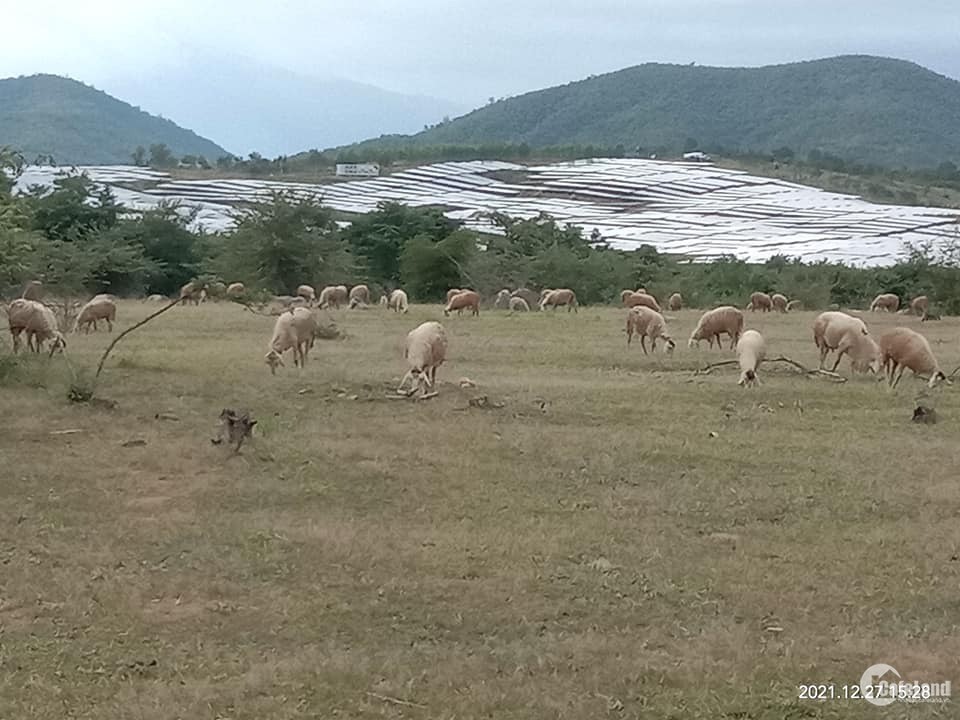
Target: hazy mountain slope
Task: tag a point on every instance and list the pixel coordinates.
(253, 107)
(75, 123)
(863, 108)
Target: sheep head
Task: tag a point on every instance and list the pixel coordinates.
(273, 359)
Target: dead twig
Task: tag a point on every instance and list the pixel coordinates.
(709, 368)
(802, 368)
(396, 701)
(118, 338)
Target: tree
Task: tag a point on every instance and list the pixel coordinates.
(161, 156)
(429, 268)
(75, 209)
(139, 156)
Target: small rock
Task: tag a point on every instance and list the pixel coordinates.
(714, 434)
(136, 442)
(466, 382)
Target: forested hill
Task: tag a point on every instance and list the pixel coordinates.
(48, 115)
(865, 109)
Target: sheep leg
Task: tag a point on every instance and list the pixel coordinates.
(403, 381)
(643, 344)
(109, 325)
(899, 375)
(840, 353)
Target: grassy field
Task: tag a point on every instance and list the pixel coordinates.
(619, 539)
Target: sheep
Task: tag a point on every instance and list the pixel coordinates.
(888, 302)
(294, 330)
(518, 304)
(846, 334)
(236, 290)
(751, 350)
(192, 293)
(779, 302)
(759, 301)
(919, 305)
(38, 321)
(217, 289)
(713, 323)
(556, 298)
(451, 292)
(384, 300)
(359, 295)
(624, 294)
(502, 301)
(467, 299)
(307, 293)
(101, 307)
(675, 302)
(33, 290)
(794, 305)
(642, 298)
(905, 348)
(543, 294)
(425, 351)
(529, 295)
(648, 323)
(398, 301)
(155, 298)
(330, 297)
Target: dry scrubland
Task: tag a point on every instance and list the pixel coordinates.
(599, 556)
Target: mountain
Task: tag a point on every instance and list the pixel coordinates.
(250, 106)
(867, 109)
(78, 124)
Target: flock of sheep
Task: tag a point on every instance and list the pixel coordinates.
(296, 327)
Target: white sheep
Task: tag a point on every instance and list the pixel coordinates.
(888, 302)
(33, 290)
(905, 348)
(451, 292)
(101, 307)
(780, 302)
(307, 293)
(847, 335)
(648, 323)
(333, 296)
(294, 330)
(398, 301)
(192, 293)
(236, 289)
(38, 321)
(425, 351)
(518, 304)
(155, 298)
(556, 298)
(359, 296)
(713, 323)
(675, 303)
(466, 300)
(760, 301)
(751, 350)
(640, 298)
(502, 301)
(920, 305)
(384, 300)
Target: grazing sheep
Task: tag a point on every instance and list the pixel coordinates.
(425, 351)
(307, 293)
(398, 301)
(648, 323)
(642, 299)
(888, 302)
(518, 304)
(101, 307)
(294, 330)
(359, 296)
(217, 290)
(236, 290)
(751, 350)
(905, 348)
(543, 294)
(675, 302)
(759, 301)
(919, 305)
(330, 297)
(467, 299)
(384, 300)
(451, 292)
(502, 301)
(155, 298)
(779, 302)
(794, 305)
(529, 295)
(846, 334)
(624, 294)
(192, 293)
(38, 321)
(713, 323)
(33, 290)
(556, 298)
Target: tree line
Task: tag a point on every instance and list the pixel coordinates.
(76, 238)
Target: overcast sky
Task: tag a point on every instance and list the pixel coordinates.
(468, 51)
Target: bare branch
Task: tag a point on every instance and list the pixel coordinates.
(809, 371)
(396, 701)
(118, 338)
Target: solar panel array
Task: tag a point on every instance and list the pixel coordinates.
(695, 209)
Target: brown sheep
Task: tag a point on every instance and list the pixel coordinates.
(451, 292)
(919, 305)
(714, 323)
(760, 301)
(675, 303)
(905, 348)
(888, 302)
(359, 296)
(647, 323)
(466, 300)
(779, 302)
(556, 298)
(642, 299)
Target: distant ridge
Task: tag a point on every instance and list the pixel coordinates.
(78, 124)
(860, 108)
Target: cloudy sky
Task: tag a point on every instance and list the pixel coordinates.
(468, 50)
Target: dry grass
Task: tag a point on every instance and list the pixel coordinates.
(588, 550)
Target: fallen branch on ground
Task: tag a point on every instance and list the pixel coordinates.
(396, 701)
(118, 338)
(802, 368)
